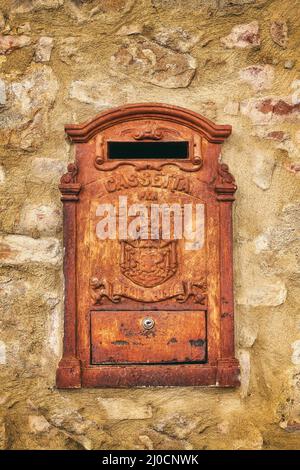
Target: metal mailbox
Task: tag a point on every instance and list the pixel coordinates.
(148, 252)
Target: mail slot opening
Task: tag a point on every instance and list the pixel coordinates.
(147, 150)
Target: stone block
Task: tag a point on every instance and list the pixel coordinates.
(123, 408)
(19, 249)
(43, 49)
(243, 36)
(146, 60)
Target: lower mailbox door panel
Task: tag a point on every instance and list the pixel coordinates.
(148, 337)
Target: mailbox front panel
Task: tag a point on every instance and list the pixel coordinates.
(151, 247)
(150, 337)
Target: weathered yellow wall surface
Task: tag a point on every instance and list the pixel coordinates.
(236, 62)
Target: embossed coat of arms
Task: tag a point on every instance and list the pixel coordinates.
(148, 263)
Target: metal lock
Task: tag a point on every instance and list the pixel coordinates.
(148, 323)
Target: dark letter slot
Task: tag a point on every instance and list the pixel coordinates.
(147, 150)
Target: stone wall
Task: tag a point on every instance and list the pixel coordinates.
(234, 61)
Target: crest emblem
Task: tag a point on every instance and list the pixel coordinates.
(148, 263)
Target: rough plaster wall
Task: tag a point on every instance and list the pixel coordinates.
(235, 61)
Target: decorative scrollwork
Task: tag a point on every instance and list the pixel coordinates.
(70, 176)
(224, 175)
(102, 289)
(99, 150)
(188, 166)
(149, 134)
(224, 183)
(197, 290)
(115, 292)
(197, 156)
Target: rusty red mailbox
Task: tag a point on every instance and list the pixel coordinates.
(148, 252)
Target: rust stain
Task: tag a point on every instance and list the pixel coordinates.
(120, 343)
(279, 108)
(226, 314)
(172, 341)
(197, 343)
(5, 250)
(277, 135)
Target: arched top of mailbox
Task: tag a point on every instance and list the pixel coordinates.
(133, 112)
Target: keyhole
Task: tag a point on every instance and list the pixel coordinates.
(148, 323)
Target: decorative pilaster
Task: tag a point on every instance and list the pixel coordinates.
(68, 374)
(228, 365)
